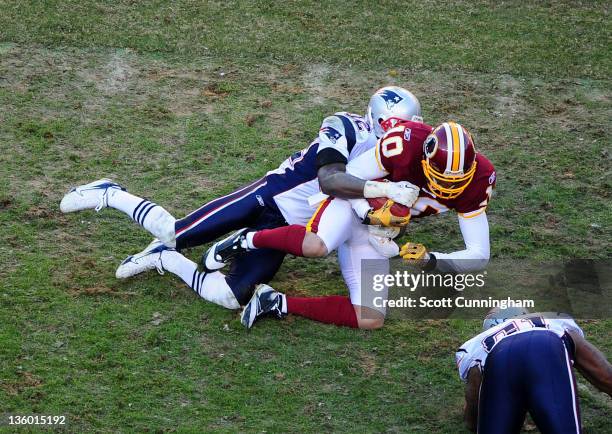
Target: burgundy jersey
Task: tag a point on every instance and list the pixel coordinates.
(400, 153)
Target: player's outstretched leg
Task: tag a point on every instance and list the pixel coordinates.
(333, 309)
(212, 287)
(328, 228)
(357, 311)
(293, 239)
(148, 259)
(105, 193)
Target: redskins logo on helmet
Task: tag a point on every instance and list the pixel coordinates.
(449, 160)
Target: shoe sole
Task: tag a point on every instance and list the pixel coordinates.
(249, 314)
(67, 208)
(63, 206)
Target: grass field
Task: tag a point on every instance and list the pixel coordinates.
(185, 101)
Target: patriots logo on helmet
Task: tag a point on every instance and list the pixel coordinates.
(331, 133)
(391, 98)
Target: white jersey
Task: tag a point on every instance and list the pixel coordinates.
(475, 351)
(294, 185)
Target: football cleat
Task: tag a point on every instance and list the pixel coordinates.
(221, 252)
(265, 301)
(88, 196)
(148, 259)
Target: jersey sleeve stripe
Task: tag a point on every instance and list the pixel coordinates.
(377, 155)
(349, 130)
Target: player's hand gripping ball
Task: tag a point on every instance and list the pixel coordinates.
(385, 212)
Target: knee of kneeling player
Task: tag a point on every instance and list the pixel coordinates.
(370, 323)
(368, 318)
(484, 262)
(481, 261)
(313, 246)
(476, 260)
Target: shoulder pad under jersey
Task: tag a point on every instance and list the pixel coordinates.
(337, 135)
(402, 146)
(477, 195)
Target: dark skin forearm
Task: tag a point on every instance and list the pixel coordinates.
(592, 364)
(334, 181)
(470, 413)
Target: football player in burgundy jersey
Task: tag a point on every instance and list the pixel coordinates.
(451, 175)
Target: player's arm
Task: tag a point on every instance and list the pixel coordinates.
(334, 181)
(475, 256)
(591, 363)
(355, 180)
(472, 387)
(337, 137)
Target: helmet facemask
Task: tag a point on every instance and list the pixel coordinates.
(446, 186)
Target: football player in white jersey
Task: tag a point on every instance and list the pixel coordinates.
(280, 197)
(522, 363)
(343, 137)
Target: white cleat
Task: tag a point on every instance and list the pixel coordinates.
(149, 259)
(88, 196)
(381, 238)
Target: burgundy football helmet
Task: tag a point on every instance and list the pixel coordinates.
(449, 160)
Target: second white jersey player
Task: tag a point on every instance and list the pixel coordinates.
(475, 351)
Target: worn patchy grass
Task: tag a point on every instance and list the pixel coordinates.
(561, 38)
(183, 102)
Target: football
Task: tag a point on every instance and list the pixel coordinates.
(397, 209)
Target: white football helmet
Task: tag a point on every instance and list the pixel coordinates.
(390, 105)
(497, 316)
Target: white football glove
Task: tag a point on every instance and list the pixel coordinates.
(402, 192)
(381, 238)
(384, 231)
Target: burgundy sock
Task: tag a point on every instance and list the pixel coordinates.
(334, 309)
(286, 239)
